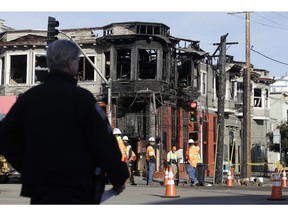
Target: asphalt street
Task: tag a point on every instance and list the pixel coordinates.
(185, 194)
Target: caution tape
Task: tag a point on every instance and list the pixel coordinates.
(252, 164)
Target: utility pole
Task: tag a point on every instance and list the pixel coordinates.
(221, 103)
(246, 159)
(221, 106)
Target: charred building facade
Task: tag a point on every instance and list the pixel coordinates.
(152, 78)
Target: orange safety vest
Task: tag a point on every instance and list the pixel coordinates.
(122, 148)
(133, 156)
(193, 155)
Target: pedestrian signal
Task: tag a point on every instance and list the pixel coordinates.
(193, 111)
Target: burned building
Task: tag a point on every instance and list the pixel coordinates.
(150, 79)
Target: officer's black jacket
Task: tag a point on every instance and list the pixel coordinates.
(54, 135)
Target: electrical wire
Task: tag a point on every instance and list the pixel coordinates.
(264, 24)
(270, 20)
(280, 15)
(268, 56)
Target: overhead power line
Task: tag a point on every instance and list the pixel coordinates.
(267, 56)
(264, 24)
(279, 14)
(272, 21)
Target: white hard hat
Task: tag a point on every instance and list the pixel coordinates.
(151, 139)
(190, 141)
(125, 138)
(116, 131)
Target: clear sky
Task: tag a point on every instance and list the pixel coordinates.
(268, 30)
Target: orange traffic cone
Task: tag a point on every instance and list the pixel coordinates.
(284, 180)
(276, 193)
(229, 181)
(166, 177)
(170, 187)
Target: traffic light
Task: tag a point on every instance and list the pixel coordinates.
(52, 32)
(193, 111)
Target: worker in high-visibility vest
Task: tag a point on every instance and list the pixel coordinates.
(193, 157)
(131, 159)
(151, 160)
(173, 163)
(117, 133)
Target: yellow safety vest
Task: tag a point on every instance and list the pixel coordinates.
(150, 152)
(193, 155)
(171, 156)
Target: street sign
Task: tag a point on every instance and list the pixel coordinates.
(276, 136)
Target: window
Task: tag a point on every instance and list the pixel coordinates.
(148, 29)
(165, 68)
(266, 98)
(240, 92)
(232, 89)
(86, 70)
(18, 69)
(107, 65)
(147, 63)
(184, 70)
(257, 97)
(107, 32)
(41, 69)
(204, 81)
(123, 64)
(2, 68)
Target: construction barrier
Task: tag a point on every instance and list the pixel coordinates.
(276, 193)
(170, 187)
(166, 177)
(229, 181)
(284, 180)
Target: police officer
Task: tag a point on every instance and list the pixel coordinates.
(55, 136)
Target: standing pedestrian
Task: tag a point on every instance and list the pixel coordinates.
(193, 157)
(150, 160)
(173, 163)
(56, 136)
(131, 159)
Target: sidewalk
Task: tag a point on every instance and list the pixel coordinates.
(208, 180)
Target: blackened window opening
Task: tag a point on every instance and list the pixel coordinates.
(18, 69)
(41, 69)
(86, 70)
(123, 64)
(147, 63)
(107, 65)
